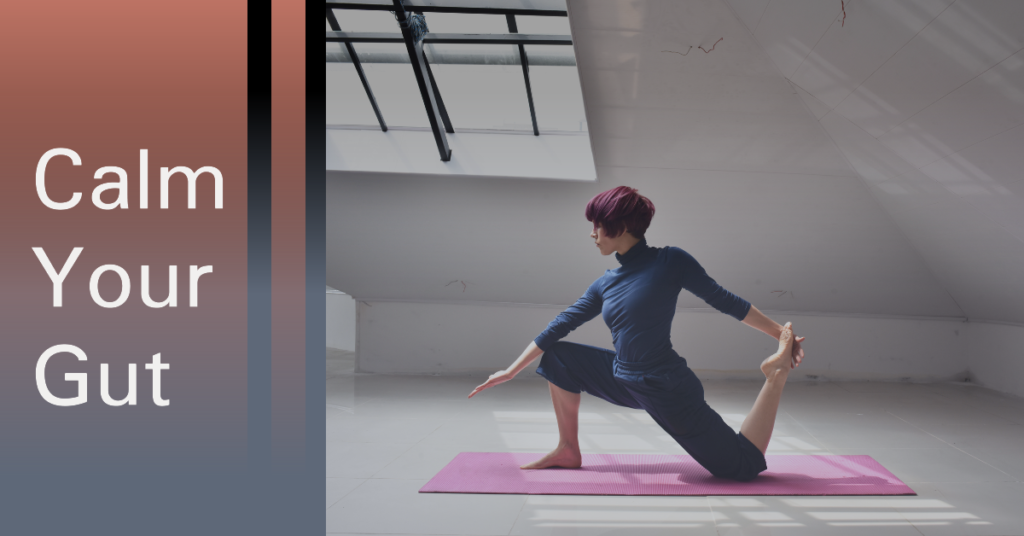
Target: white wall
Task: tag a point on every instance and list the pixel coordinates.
(448, 338)
(995, 356)
(341, 321)
(505, 240)
(929, 111)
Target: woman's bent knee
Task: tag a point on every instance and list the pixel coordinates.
(746, 472)
(745, 475)
(735, 458)
(554, 370)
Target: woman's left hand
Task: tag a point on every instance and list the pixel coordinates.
(798, 352)
(501, 376)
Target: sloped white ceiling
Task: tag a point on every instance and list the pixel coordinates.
(925, 98)
(847, 191)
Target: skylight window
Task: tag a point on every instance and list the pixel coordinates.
(471, 61)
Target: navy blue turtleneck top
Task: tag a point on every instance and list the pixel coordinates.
(638, 301)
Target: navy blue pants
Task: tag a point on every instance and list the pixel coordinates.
(669, 392)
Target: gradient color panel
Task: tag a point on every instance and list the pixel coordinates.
(106, 79)
(106, 87)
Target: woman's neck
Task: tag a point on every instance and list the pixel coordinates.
(628, 241)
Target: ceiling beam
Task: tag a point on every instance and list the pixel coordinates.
(494, 7)
(452, 38)
(469, 57)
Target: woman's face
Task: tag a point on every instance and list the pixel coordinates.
(606, 245)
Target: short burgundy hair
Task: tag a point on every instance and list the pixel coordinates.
(621, 209)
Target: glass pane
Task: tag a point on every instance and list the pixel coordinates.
(346, 101)
(484, 96)
(397, 94)
(393, 85)
(470, 23)
(543, 25)
(557, 98)
(362, 20)
(358, 20)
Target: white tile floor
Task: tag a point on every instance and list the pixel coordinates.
(960, 447)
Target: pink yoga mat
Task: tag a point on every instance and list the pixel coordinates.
(659, 474)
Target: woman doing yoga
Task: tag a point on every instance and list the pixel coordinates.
(638, 301)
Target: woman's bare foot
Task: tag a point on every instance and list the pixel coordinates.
(563, 456)
(778, 364)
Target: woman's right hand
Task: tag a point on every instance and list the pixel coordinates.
(501, 376)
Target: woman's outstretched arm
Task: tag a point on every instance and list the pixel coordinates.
(529, 354)
(756, 319)
(502, 376)
(585, 308)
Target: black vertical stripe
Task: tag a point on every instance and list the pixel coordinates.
(259, 218)
(316, 248)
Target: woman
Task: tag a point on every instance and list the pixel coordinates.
(638, 301)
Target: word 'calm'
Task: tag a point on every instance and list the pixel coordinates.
(121, 185)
